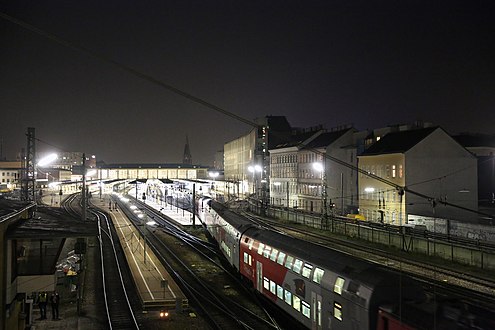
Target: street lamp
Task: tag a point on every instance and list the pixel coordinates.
(47, 160)
(320, 167)
(214, 176)
(254, 169)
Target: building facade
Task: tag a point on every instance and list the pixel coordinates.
(435, 170)
(314, 172)
(10, 175)
(247, 158)
(150, 171)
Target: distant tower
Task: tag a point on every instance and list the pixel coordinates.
(187, 158)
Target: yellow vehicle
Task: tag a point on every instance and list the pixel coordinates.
(356, 217)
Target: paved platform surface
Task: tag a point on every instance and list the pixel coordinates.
(83, 314)
(154, 284)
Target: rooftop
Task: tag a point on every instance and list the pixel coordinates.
(398, 142)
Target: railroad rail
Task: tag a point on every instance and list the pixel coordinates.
(478, 289)
(195, 276)
(119, 310)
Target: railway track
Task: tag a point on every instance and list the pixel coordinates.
(479, 290)
(202, 277)
(117, 299)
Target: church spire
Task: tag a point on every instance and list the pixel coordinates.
(187, 158)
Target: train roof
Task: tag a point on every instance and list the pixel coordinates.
(318, 255)
(236, 220)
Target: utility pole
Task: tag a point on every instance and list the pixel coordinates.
(194, 205)
(324, 194)
(287, 188)
(83, 192)
(342, 193)
(28, 166)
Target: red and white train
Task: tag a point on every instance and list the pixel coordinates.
(319, 287)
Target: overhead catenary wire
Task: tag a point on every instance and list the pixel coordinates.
(127, 68)
(153, 80)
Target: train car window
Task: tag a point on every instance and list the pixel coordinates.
(297, 266)
(288, 297)
(339, 285)
(306, 272)
(246, 240)
(246, 259)
(261, 247)
(305, 310)
(353, 287)
(273, 287)
(266, 283)
(267, 251)
(251, 244)
(273, 256)
(280, 292)
(250, 260)
(289, 261)
(337, 311)
(281, 257)
(296, 303)
(317, 275)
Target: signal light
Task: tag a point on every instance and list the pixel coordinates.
(164, 314)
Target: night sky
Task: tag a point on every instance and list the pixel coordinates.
(369, 63)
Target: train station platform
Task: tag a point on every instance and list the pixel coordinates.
(171, 211)
(155, 286)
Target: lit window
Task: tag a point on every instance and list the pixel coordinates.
(261, 247)
(280, 292)
(266, 252)
(288, 297)
(306, 311)
(400, 171)
(297, 266)
(339, 284)
(266, 283)
(337, 311)
(250, 260)
(273, 256)
(280, 259)
(289, 261)
(296, 303)
(246, 259)
(317, 275)
(393, 171)
(251, 244)
(306, 272)
(273, 287)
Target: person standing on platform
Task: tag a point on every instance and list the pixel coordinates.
(55, 299)
(42, 304)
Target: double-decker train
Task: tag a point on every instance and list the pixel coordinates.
(319, 287)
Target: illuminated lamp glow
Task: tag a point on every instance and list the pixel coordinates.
(369, 189)
(318, 167)
(47, 160)
(91, 173)
(53, 185)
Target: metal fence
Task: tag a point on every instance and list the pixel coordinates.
(456, 249)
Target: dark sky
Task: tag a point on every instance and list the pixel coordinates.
(370, 63)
